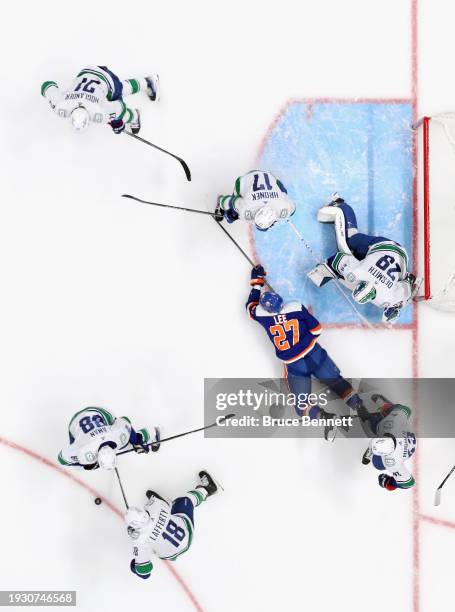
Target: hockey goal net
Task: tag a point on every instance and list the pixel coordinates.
(437, 203)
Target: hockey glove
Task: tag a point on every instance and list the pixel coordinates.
(134, 570)
(387, 482)
(257, 276)
(140, 445)
(230, 215)
(117, 125)
(391, 314)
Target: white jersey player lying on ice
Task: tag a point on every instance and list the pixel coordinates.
(259, 198)
(96, 96)
(96, 436)
(163, 528)
(393, 445)
(373, 267)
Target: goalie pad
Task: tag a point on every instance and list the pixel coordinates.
(333, 214)
(321, 274)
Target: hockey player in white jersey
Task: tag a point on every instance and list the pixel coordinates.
(393, 446)
(373, 267)
(162, 528)
(259, 198)
(96, 95)
(96, 436)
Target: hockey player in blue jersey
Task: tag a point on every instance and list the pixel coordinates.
(374, 268)
(294, 332)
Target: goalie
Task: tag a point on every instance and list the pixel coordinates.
(373, 267)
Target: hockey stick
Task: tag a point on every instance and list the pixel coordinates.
(121, 488)
(201, 212)
(249, 260)
(437, 497)
(337, 286)
(185, 433)
(179, 159)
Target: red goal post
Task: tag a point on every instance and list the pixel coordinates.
(440, 293)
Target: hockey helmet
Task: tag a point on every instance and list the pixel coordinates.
(364, 292)
(107, 457)
(80, 119)
(136, 517)
(383, 446)
(271, 302)
(264, 218)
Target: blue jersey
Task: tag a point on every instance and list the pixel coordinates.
(293, 331)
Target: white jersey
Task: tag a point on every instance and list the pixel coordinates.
(90, 428)
(93, 89)
(396, 423)
(385, 265)
(257, 189)
(166, 535)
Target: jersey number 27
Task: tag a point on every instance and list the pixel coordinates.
(279, 333)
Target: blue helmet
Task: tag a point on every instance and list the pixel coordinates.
(272, 302)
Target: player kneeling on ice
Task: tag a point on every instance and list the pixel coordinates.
(373, 267)
(393, 445)
(96, 96)
(96, 436)
(294, 333)
(259, 198)
(163, 528)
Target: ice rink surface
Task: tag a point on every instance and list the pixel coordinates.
(112, 303)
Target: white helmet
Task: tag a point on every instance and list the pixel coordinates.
(80, 119)
(364, 292)
(383, 446)
(136, 518)
(265, 217)
(107, 457)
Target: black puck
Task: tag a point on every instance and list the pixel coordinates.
(97, 500)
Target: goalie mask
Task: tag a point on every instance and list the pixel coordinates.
(264, 218)
(383, 446)
(80, 119)
(364, 292)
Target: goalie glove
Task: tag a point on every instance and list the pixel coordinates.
(257, 276)
(387, 482)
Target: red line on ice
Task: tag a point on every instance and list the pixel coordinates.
(106, 502)
(435, 521)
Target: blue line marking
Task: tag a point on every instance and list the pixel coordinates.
(364, 152)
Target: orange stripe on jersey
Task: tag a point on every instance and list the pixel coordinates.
(316, 330)
(303, 353)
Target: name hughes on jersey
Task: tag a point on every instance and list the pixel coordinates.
(380, 277)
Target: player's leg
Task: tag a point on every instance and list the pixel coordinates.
(149, 84)
(328, 373)
(298, 378)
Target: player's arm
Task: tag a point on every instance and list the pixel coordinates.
(141, 564)
(228, 204)
(257, 282)
(401, 479)
(50, 91)
(313, 325)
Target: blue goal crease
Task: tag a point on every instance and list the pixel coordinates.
(364, 152)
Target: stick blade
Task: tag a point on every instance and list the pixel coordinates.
(186, 169)
(437, 497)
